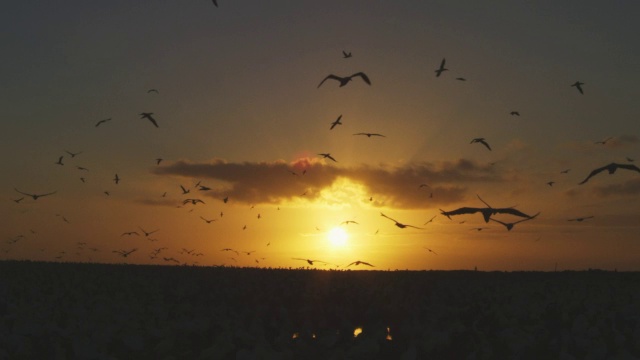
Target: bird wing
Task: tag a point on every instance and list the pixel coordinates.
(23, 193)
(51, 193)
(460, 211)
(629, 167)
(363, 76)
(442, 63)
(532, 217)
(383, 215)
(485, 144)
(331, 157)
(330, 76)
(153, 121)
(215, 3)
(484, 202)
(512, 211)
(593, 173)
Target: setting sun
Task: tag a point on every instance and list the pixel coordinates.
(338, 237)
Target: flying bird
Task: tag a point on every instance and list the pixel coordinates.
(461, 79)
(441, 68)
(82, 168)
(215, 2)
(328, 156)
(73, 154)
(431, 251)
(124, 253)
(398, 224)
(358, 262)
(481, 141)
(611, 168)
(345, 80)
(565, 171)
(337, 122)
(345, 54)
(148, 116)
(102, 121)
(226, 198)
(310, 261)
(347, 222)
(59, 162)
(581, 219)
(35, 196)
(629, 159)
(515, 113)
(116, 179)
(230, 249)
(550, 183)
(370, 134)
(509, 226)
(578, 86)
(184, 191)
(129, 233)
(148, 233)
(158, 161)
(17, 201)
(207, 220)
(603, 142)
(192, 201)
(153, 91)
(486, 212)
(430, 220)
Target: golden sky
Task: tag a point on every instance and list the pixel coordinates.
(240, 112)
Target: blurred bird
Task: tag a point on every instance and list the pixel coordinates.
(310, 261)
(59, 162)
(578, 85)
(345, 80)
(611, 168)
(481, 141)
(73, 154)
(35, 196)
(509, 226)
(337, 122)
(515, 113)
(370, 134)
(358, 262)
(124, 253)
(148, 116)
(328, 156)
(102, 121)
(398, 224)
(153, 91)
(116, 179)
(345, 54)
(441, 69)
(581, 219)
(192, 201)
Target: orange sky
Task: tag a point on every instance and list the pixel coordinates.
(240, 111)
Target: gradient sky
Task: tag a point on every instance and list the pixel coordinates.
(239, 109)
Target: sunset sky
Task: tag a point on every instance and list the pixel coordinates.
(239, 111)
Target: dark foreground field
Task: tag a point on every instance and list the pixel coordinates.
(91, 311)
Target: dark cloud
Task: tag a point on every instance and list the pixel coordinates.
(630, 187)
(273, 182)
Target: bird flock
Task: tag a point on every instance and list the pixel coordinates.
(354, 80)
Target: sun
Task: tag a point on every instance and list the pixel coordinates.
(338, 237)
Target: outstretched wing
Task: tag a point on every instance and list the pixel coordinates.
(23, 193)
(512, 211)
(593, 173)
(629, 167)
(460, 211)
(383, 215)
(153, 121)
(530, 218)
(330, 76)
(485, 144)
(363, 76)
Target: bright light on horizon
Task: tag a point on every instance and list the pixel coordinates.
(337, 237)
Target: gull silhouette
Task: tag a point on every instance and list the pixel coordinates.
(578, 86)
(550, 183)
(337, 122)
(481, 141)
(461, 79)
(59, 162)
(347, 222)
(158, 161)
(581, 219)
(345, 54)
(82, 168)
(515, 113)
(35, 196)
(207, 220)
(611, 168)
(153, 90)
(184, 191)
(230, 249)
(430, 220)
(129, 233)
(17, 201)
(370, 134)
(629, 159)
(124, 253)
(225, 200)
(148, 233)
(192, 201)
(73, 154)
(102, 121)
(358, 262)
(431, 251)
(509, 226)
(310, 261)
(145, 115)
(328, 156)
(441, 68)
(486, 212)
(116, 179)
(345, 80)
(603, 142)
(398, 224)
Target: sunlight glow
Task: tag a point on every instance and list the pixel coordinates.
(338, 237)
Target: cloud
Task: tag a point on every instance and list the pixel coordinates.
(274, 182)
(630, 187)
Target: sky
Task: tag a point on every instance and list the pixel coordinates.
(241, 117)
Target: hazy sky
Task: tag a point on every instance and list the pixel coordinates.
(240, 111)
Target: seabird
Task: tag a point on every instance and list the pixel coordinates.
(345, 80)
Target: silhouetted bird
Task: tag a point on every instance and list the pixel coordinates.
(347, 222)
(129, 233)
(59, 162)
(153, 90)
(358, 262)
(116, 179)
(102, 121)
(578, 86)
(17, 201)
(327, 156)
(581, 219)
(550, 183)
(149, 117)
(124, 253)
(431, 251)
(226, 198)
(207, 220)
(184, 191)
(370, 134)
(215, 3)
(509, 226)
(345, 54)
(611, 168)
(398, 224)
(158, 160)
(345, 80)
(35, 196)
(148, 233)
(461, 79)
(73, 154)
(337, 122)
(486, 212)
(430, 220)
(630, 159)
(441, 68)
(310, 261)
(515, 113)
(481, 141)
(603, 142)
(192, 201)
